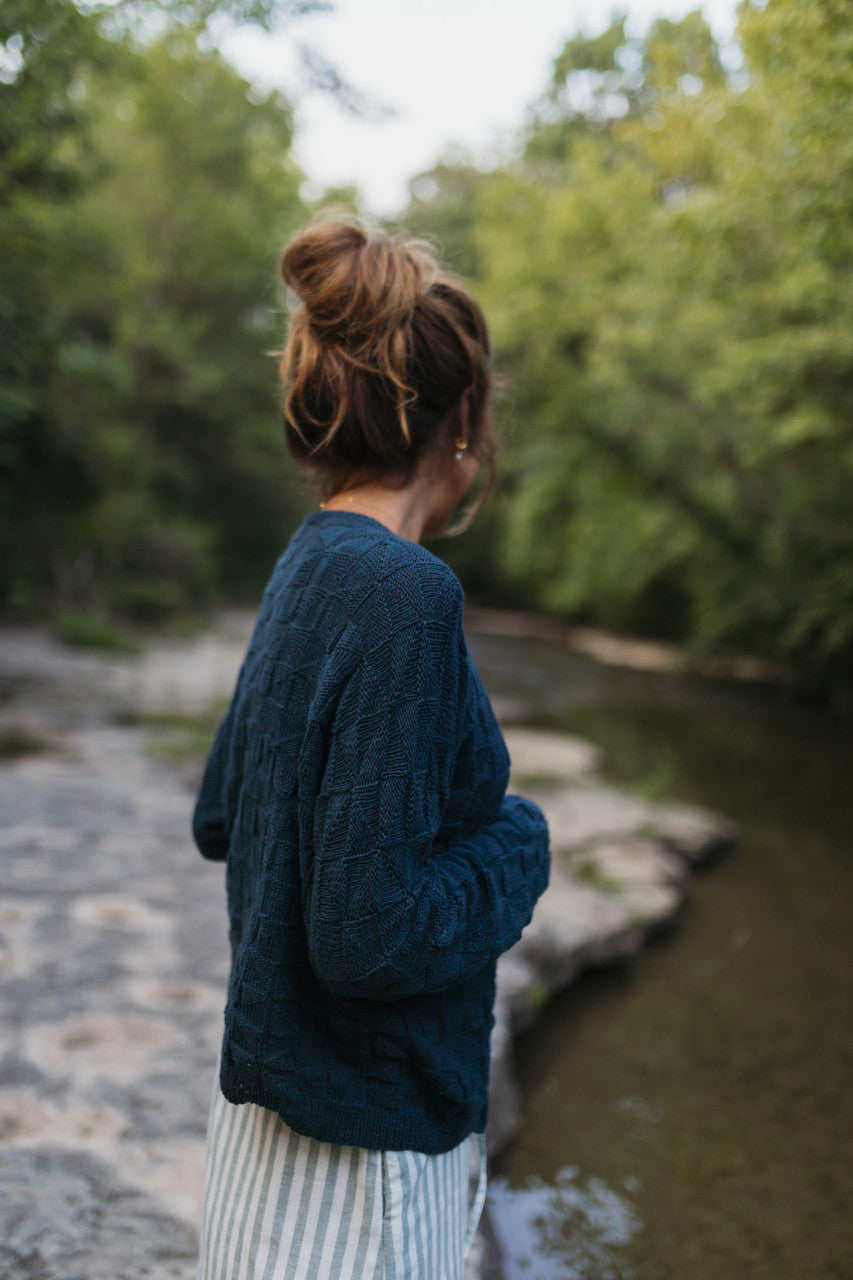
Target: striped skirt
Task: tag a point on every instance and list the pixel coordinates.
(279, 1206)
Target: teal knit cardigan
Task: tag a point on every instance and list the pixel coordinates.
(375, 867)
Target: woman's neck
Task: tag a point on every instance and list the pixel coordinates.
(405, 511)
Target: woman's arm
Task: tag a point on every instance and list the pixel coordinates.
(389, 912)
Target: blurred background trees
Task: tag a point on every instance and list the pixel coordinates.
(667, 267)
(146, 190)
(666, 263)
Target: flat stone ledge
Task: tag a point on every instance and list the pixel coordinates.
(620, 871)
(105, 1084)
(539, 757)
(64, 1214)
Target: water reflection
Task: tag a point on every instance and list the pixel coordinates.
(701, 1093)
(571, 1229)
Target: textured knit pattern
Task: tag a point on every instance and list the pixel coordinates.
(279, 1206)
(375, 867)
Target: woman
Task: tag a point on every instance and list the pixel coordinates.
(376, 869)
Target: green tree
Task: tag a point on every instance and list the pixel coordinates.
(443, 208)
(142, 446)
(44, 159)
(667, 269)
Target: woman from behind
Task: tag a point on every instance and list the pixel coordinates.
(356, 789)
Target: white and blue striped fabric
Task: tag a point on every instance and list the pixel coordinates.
(279, 1206)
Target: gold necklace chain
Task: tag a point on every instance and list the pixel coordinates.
(351, 501)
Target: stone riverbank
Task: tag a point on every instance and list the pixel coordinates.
(113, 951)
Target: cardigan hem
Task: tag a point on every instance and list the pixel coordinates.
(334, 1122)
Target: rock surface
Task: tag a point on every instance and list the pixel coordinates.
(619, 874)
(113, 951)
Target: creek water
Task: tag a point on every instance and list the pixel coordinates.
(688, 1114)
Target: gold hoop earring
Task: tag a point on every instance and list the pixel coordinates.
(460, 446)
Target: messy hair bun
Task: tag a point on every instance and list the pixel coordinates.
(381, 348)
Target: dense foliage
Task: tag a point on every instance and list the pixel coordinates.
(146, 190)
(668, 271)
(667, 263)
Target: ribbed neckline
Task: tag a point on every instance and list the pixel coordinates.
(321, 515)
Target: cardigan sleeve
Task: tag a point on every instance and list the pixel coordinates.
(391, 910)
(213, 812)
(210, 826)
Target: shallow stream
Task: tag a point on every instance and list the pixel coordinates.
(690, 1115)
